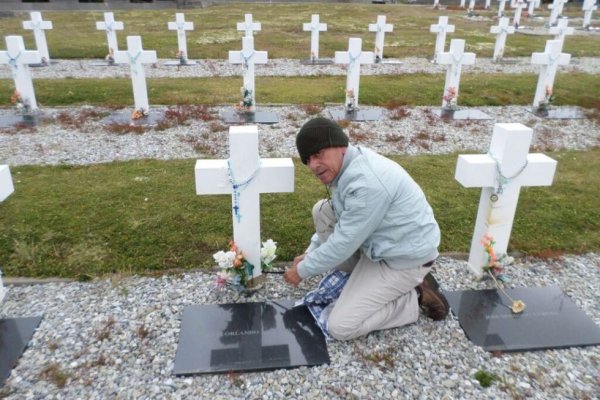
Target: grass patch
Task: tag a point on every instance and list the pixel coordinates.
(144, 216)
(389, 91)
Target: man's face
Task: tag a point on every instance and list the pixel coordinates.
(326, 164)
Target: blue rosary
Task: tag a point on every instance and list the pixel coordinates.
(237, 187)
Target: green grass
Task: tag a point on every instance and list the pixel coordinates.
(414, 89)
(282, 36)
(144, 216)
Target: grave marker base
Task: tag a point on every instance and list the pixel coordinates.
(559, 113)
(258, 117)
(15, 334)
(103, 64)
(42, 65)
(387, 62)
(357, 115)
(177, 63)
(234, 337)
(14, 120)
(461, 114)
(551, 319)
(506, 61)
(124, 117)
(319, 61)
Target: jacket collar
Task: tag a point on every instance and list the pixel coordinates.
(351, 153)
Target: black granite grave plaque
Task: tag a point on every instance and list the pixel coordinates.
(559, 113)
(124, 117)
(15, 334)
(461, 114)
(357, 115)
(16, 120)
(258, 117)
(178, 63)
(550, 320)
(248, 337)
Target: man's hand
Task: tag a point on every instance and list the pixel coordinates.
(291, 275)
(298, 259)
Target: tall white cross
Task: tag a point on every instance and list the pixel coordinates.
(38, 26)
(6, 188)
(441, 28)
(471, 5)
(314, 26)
(550, 59)
(531, 5)
(518, 5)
(501, 6)
(110, 26)
(436, 3)
(502, 29)
(18, 59)
(556, 11)
(561, 30)
(380, 28)
(488, 4)
(245, 176)
(501, 173)
(180, 25)
(462, 3)
(354, 57)
(455, 59)
(248, 57)
(248, 26)
(136, 57)
(588, 7)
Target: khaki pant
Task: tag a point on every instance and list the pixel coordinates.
(376, 296)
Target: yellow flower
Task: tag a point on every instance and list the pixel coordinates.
(518, 306)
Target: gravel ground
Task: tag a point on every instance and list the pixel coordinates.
(117, 338)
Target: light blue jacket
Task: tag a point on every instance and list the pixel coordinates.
(380, 210)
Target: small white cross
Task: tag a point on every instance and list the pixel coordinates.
(518, 5)
(471, 5)
(561, 30)
(354, 57)
(248, 57)
(502, 29)
(556, 11)
(588, 7)
(441, 28)
(248, 26)
(501, 173)
(180, 25)
(455, 59)
(314, 26)
(110, 26)
(531, 5)
(550, 59)
(380, 28)
(136, 57)
(488, 4)
(6, 188)
(501, 6)
(38, 26)
(18, 59)
(251, 176)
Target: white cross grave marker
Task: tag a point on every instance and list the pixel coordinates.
(314, 26)
(462, 3)
(488, 4)
(502, 29)
(531, 5)
(248, 57)
(38, 26)
(589, 6)
(471, 6)
(556, 11)
(436, 3)
(550, 59)
(6, 188)
(245, 176)
(441, 29)
(136, 56)
(501, 6)
(18, 59)
(501, 173)
(561, 30)
(354, 57)
(518, 5)
(380, 27)
(248, 26)
(455, 59)
(180, 25)
(110, 26)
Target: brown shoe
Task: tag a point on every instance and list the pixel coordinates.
(431, 300)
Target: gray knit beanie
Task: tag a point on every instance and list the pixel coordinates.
(317, 134)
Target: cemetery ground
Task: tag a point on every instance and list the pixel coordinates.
(114, 208)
